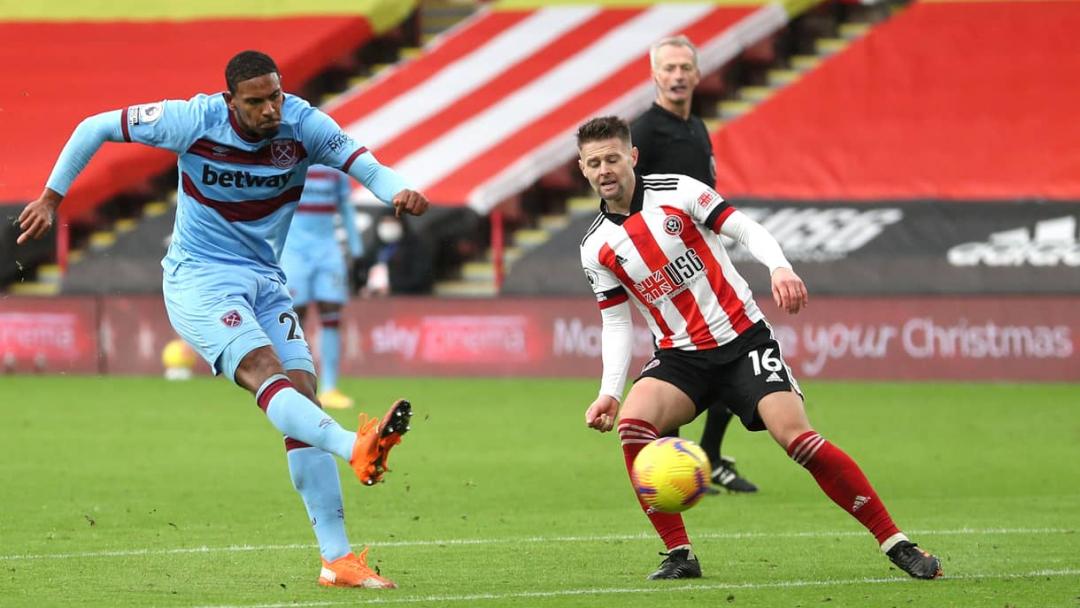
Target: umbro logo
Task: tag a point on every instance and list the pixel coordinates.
(621, 261)
(774, 377)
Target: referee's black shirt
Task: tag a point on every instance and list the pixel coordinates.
(668, 144)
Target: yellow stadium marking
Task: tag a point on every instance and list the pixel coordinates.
(382, 14)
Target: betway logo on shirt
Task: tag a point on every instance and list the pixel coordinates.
(675, 276)
(1053, 244)
(244, 179)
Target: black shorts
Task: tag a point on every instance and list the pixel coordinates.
(736, 375)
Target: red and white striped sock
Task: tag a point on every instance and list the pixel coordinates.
(635, 435)
(842, 480)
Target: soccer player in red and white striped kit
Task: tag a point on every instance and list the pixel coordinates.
(656, 243)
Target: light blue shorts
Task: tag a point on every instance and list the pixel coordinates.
(315, 272)
(225, 312)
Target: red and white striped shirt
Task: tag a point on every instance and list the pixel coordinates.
(667, 257)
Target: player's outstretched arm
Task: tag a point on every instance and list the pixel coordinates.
(789, 291)
(37, 217)
(338, 149)
(388, 185)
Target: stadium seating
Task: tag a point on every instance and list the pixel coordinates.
(111, 55)
(491, 107)
(945, 100)
(84, 70)
(922, 109)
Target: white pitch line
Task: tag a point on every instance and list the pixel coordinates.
(475, 597)
(527, 539)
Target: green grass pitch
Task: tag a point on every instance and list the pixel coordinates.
(138, 492)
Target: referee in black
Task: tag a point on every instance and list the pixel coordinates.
(670, 139)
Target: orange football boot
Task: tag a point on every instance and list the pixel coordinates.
(352, 571)
(374, 441)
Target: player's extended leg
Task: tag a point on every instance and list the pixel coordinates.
(315, 476)
(842, 480)
(290, 412)
(330, 357)
(712, 437)
(653, 406)
(371, 444)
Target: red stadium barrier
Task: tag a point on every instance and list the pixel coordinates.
(953, 338)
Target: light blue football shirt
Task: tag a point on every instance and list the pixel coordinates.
(237, 194)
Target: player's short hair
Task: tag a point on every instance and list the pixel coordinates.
(603, 127)
(246, 65)
(679, 40)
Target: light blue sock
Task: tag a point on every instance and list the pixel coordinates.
(315, 476)
(298, 417)
(330, 352)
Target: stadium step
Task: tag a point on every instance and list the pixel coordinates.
(465, 289)
(102, 239)
(47, 282)
(510, 255)
(734, 108)
(125, 225)
(34, 288)
(477, 278)
(530, 237)
(410, 52)
(748, 97)
(582, 205)
(755, 94)
(155, 208)
(437, 16)
(713, 125)
(779, 78)
(805, 63)
(49, 276)
(49, 273)
(478, 271)
(851, 31)
(552, 223)
(830, 46)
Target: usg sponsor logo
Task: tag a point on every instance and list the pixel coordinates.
(818, 235)
(672, 278)
(1052, 243)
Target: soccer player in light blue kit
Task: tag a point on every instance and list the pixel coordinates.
(315, 268)
(242, 156)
